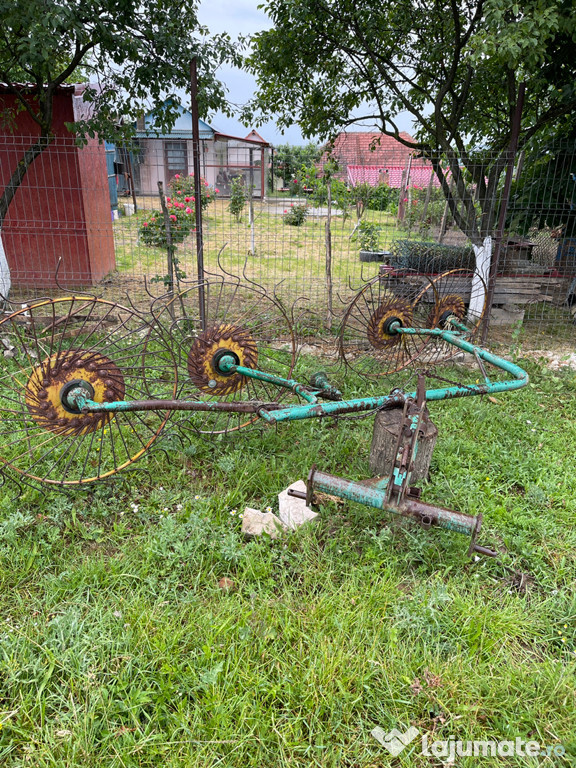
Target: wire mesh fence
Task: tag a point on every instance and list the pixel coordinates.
(92, 218)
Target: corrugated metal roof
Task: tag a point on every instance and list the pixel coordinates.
(182, 128)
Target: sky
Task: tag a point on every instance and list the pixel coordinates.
(242, 17)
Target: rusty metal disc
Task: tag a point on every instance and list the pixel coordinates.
(43, 391)
(449, 305)
(110, 351)
(391, 309)
(366, 343)
(203, 372)
(250, 323)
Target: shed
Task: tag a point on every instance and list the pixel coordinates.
(62, 208)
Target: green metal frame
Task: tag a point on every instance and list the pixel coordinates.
(314, 408)
(394, 493)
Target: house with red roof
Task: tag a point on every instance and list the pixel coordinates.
(375, 158)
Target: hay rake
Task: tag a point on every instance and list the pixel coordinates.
(89, 385)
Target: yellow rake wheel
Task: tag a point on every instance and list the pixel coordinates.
(367, 343)
(241, 320)
(53, 345)
(455, 295)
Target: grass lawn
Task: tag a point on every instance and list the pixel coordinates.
(120, 645)
(291, 261)
(294, 256)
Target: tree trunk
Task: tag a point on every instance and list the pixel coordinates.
(483, 255)
(5, 281)
(18, 176)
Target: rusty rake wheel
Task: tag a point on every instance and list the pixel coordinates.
(367, 343)
(241, 320)
(54, 344)
(457, 294)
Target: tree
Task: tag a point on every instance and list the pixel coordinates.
(455, 67)
(289, 159)
(135, 50)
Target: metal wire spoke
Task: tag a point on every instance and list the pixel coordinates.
(242, 319)
(454, 291)
(368, 343)
(115, 354)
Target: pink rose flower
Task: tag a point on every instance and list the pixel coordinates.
(145, 224)
(168, 199)
(217, 190)
(188, 210)
(173, 218)
(177, 176)
(187, 199)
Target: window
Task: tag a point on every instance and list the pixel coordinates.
(176, 158)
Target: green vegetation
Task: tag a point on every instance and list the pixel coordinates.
(288, 162)
(368, 235)
(133, 55)
(295, 215)
(237, 198)
(293, 254)
(122, 646)
(458, 70)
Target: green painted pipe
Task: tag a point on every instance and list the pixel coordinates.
(271, 413)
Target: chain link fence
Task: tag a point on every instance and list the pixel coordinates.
(92, 219)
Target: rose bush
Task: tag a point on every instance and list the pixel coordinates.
(182, 189)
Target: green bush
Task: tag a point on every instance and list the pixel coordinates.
(295, 215)
(153, 228)
(381, 197)
(237, 198)
(182, 191)
(181, 204)
(368, 235)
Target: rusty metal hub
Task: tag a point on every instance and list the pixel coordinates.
(209, 347)
(448, 306)
(392, 309)
(51, 380)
